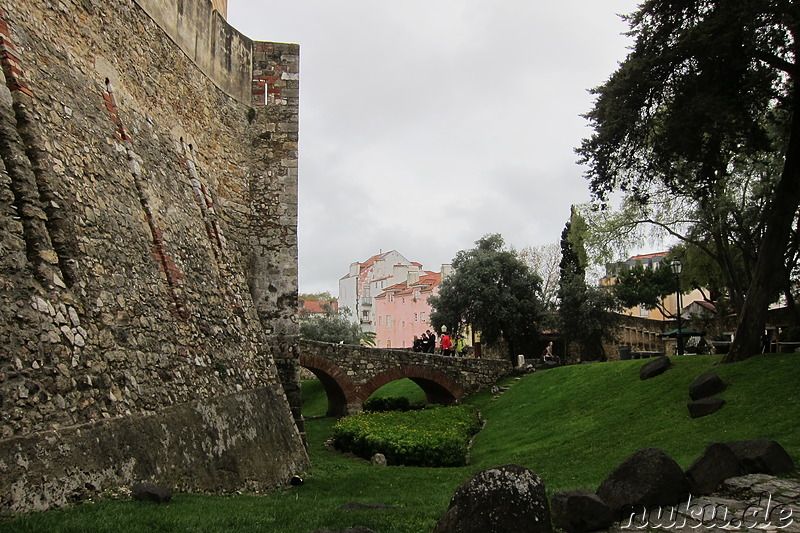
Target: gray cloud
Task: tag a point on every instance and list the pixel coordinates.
(425, 125)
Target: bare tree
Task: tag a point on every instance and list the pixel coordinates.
(544, 261)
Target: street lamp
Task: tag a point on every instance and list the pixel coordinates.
(676, 269)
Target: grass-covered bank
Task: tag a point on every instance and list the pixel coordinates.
(571, 425)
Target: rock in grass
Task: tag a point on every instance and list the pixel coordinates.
(648, 478)
(580, 511)
(654, 368)
(762, 456)
(705, 406)
(706, 385)
(505, 498)
(150, 492)
(715, 465)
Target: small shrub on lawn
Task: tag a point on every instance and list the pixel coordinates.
(430, 437)
(387, 403)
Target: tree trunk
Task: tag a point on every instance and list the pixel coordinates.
(768, 276)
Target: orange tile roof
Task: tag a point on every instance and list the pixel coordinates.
(647, 256)
(317, 306)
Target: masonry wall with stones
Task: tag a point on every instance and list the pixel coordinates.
(148, 265)
(350, 374)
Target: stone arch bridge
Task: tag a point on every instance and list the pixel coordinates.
(350, 374)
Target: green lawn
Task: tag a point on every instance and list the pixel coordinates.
(571, 425)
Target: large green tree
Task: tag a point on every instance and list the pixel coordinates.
(331, 327)
(585, 313)
(639, 285)
(494, 291)
(707, 82)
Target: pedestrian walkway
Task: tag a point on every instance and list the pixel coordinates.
(755, 503)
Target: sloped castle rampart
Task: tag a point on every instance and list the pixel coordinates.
(148, 251)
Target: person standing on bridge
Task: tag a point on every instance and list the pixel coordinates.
(431, 341)
(417, 344)
(446, 344)
(461, 346)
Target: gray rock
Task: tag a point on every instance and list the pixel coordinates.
(501, 499)
(654, 368)
(647, 478)
(715, 465)
(762, 456)
(705, 406)
(150, 492)
(706, 385)
(579, 511)
(378, 459)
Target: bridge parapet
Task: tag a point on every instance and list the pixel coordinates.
(350, 374)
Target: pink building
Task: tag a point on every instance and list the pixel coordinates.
(402, 310)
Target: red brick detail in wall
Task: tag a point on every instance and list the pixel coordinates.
(15, 77)
(111, 106)
(170, 269)
(268, 84)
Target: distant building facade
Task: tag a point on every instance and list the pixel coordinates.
(670, 303)
(403, 311)
(365, 281)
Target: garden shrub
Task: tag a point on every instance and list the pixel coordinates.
(428, 437)
(387, 403)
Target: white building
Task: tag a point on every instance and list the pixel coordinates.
(365, 281)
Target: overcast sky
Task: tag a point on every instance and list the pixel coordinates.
(427, 124)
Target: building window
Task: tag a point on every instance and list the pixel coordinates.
(404, 323)
(415, 317)
(644, 311)
(380, 320)
(388, 321)
(422, 317)
(390, 297)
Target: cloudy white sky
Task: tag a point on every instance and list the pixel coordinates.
(426, 124)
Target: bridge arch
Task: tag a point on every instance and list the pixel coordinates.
(437, 386)
(339, 388)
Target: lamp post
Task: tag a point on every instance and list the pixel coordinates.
(676, 269)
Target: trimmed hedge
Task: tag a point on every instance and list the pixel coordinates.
(387, 403)
(430, 437)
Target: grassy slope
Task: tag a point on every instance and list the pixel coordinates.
(574, 425)
(571, 425)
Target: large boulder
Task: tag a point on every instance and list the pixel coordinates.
(715, 465)
(501, 499)
(706, 385)
(150, 492)
(654, 368)
(704, 406)
(579, 511)
(647, 478)
(761, 456)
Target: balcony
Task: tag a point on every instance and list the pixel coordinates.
(366, 302)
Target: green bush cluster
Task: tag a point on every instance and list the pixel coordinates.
(429, 437)
(387, 403)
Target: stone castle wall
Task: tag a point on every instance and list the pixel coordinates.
(148, 272)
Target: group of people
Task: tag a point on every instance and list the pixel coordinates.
(427, 344)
